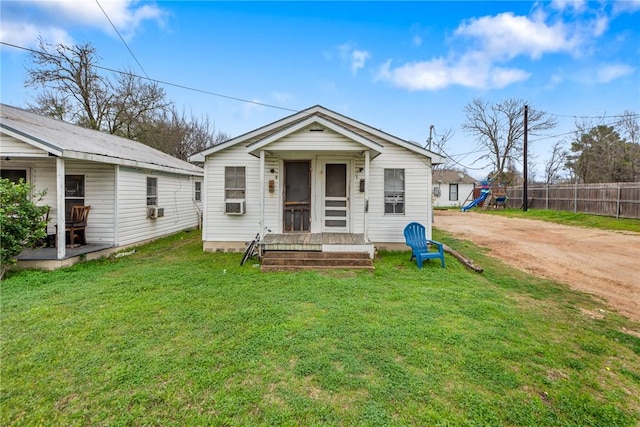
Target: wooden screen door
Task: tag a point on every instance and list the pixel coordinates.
(336, 200)
(297, 196)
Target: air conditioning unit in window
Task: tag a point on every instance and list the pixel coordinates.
(154, 212)
(234, 207)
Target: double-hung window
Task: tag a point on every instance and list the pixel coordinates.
(453, 192)
(152, 191)
(197, 191)
(394, 191)
(234, 189)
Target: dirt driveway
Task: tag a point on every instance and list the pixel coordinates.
(603, 263)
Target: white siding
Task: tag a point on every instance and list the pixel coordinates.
(305, 140)
(464, 193)
(234, 228)
(99, 193)
(381, 228)
(417, 174)
(9, 146)
(175, 195)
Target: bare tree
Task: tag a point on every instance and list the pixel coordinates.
(499, 129)
(73, 90)
(630, 127)
(135, 106)
(174, 134)
(556, 163)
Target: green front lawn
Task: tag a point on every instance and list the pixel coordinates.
(174, 336)
(569, 218)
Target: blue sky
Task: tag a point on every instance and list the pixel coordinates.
(398, 66)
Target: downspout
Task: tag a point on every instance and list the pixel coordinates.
(61, 239)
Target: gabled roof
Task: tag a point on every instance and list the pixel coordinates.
(452, 176)
(372, 138)
(65, 140)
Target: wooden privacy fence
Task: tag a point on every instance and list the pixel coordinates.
(620, 200)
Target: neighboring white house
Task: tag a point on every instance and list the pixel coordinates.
(315, 172)
(451, 188)
(136, 193)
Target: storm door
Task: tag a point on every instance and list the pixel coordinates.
(297, 196)
(336, 200)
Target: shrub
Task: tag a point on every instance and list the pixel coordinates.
(22, 222)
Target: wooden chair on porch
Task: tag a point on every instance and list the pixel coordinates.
(77, 224)
(421, 247)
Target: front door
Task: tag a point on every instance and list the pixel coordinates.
(336, 198)
(297, 196)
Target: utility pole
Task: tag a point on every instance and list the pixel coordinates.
(525, 172)
(430, 137)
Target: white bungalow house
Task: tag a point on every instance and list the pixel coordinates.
(136, 193)
(451, 188)
(315, 180)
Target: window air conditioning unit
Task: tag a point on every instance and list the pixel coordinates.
(154, 212)
(234, 207)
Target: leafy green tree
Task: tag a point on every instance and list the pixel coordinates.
(22, 221)
(601, 155)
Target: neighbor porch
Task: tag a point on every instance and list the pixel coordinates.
(47, 258)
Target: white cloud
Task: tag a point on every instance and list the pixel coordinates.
(562, 5)
(626, 6)
(354, 57)
(25, 34)
(471, 71)
(50, 18)
(358, 58)
(506, 36)
(417, 40)
(610, 72)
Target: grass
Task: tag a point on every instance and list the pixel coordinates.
(570, 218)
(174, 336)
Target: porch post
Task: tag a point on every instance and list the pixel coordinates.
(261, 194)
(61, 241)
(367, 158)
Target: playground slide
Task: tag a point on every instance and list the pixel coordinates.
(475, 202)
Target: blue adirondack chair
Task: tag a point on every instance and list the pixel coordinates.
(421, 247)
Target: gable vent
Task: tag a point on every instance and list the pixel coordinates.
(316, 130)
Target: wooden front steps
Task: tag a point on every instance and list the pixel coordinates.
(314, 260)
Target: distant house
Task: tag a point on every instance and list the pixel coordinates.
(136, 193)
(451, 188)
(317, 180)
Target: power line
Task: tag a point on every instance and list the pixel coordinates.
(121, 38)
(591, 117)
(234, 98)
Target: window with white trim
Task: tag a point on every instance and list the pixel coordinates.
(394, 191)
(234, 182)
(73, 193)
(453, 192)
(197, 191)
(152, 191)
(234, 190)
